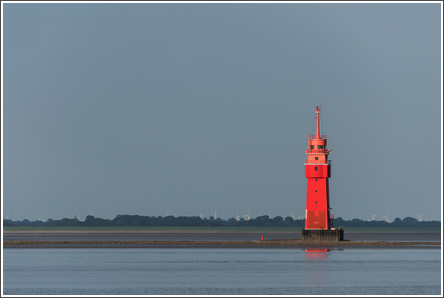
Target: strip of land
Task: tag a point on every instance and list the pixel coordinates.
(206, 236)
(219, 244)
(165, 229)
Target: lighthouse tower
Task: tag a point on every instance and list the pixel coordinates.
(318, 222)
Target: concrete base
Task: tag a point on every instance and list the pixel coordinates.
(323, 235)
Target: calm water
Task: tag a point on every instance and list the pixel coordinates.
(189, 271)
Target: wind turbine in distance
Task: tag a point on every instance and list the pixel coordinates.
(247, 215)
(420, 216)
(7, 216)
(292, 215)
(373, 215)
(201, 216)
(215, 214)
(237, 215)
(386, 216)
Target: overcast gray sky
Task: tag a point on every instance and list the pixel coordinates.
(186, 108)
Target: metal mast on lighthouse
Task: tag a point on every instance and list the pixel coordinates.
(317, 172)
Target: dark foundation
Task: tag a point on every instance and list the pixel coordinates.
(323, 235)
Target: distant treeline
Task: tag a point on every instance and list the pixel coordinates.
(196, 221)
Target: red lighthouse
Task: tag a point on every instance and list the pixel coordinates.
(318, 222)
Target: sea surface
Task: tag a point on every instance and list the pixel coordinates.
(235, 271)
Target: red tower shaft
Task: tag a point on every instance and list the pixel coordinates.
(317, 172)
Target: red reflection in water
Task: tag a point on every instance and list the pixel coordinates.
(316, 254)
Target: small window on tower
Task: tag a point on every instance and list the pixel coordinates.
(312, 146)
(320, 146)
(316, 191)
(316, 168)
(316, 158)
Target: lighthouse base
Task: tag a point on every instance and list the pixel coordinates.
(323, 235)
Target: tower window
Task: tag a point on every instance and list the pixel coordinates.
(316, 158)
(312, 146)
(320, 146)
(316, 168)
(316, 202)
(316, 191)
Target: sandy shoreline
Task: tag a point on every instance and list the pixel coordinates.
(293, 243)
(206, 236)
(306, 247)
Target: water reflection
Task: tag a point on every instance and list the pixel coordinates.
(316, 254)
(315, 267)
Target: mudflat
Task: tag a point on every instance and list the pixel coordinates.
(291, 243)
(184, 239)
(421, 236)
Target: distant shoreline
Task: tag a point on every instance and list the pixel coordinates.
(162, 229)
(68, 232)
